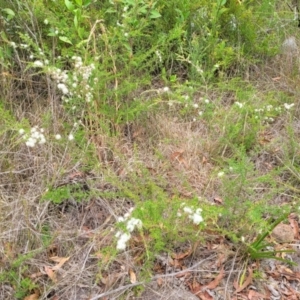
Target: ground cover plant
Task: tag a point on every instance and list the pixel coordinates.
(149, 148)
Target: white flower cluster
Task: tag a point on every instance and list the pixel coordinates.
(288, 106)
(239, 104)
(195, 105)
(61, 78)
(83, 73)
(131, 224)
(193, 214)
(36, 136)
(267, 109)
(68, 84)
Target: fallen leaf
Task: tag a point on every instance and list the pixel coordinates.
(218, 200)
(184, 274)
(276, 78)
(112, 279)
(213, 284)
(178, 156)
(132, 276)
(160, 281)
(34, 296)
(36, 275)
(253, 295)
(246, 282)
(195, 287)
(60, 260)
(182, 254)
(295, 227)
(50, 274)
(204, 296)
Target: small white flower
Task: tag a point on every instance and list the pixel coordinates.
(123, 239)
(127, 215)
(206, 101)
(126, 34)
(221, 174)
(31, 142)
(57, 136)
(63, 88)
(21, 131)
(243, 239)
(42, 140)
(166, 89)
(200, 113)
(197, 219)
(38, 64)
(46, 22)
(288, 106)
(195, 105)
(120, 219)
(158, 54)
(13, 44)
(198, 211)
(71, 137)
(35, 135)
(239, 104)
(187, 210)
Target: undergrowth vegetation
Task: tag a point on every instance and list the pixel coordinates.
(133, 128)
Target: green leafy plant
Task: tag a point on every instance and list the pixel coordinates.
(257, 249)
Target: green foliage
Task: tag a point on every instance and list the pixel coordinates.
(257, 249)
(16, 275)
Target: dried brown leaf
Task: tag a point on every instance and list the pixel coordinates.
(50, 274)
(295, 227)
(160, 281)
(182, 254)
(218, 200)
(34, 296)
(36, 275)
(132, 276)
(276, 78)
(213, 284)
(60, 260)
(253, 295)
(177, 155)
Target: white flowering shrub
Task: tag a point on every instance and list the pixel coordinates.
(35, 136)
(130, 224)
(194, 214)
